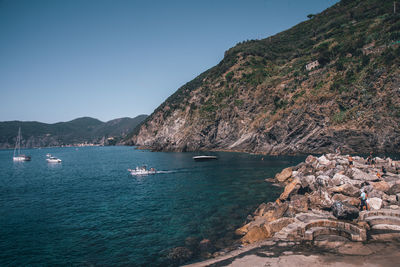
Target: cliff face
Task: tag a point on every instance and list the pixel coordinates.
(262, 98)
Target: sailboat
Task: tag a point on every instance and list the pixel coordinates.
(18, 156)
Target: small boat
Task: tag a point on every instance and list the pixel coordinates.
(142, 170)
(203, 158)
(18, 156)
(53, 160)
(48, 155)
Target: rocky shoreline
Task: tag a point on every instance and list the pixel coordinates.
(318, 210)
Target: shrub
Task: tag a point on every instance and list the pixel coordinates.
(229, 76)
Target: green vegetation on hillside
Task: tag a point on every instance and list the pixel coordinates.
(80, 130)
(274, 70)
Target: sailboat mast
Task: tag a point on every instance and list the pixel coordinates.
(19, 141)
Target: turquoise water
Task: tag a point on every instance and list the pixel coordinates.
(89, 210)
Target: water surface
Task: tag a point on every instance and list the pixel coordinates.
(90, 210)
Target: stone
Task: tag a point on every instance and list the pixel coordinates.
(344, 211)
(290, 189)
(256, 234)
(298, 203)
(179, 255)
(339, 179)
(381, 186)
(346, 199)
(375, 193)
(277, 225)
(358, 174)
(394, 190)
(242, 230)
(276, 212)
(389, 198)
(319, 200)
(308, 181)
(262, 208)
(311, 159)
(323, 181)
(206, 246)
(394, 207)
(323, 160)
(345, 189)
(375, 203)
(284, 175)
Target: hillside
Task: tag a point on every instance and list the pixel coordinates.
(262, 98)
(81, 130)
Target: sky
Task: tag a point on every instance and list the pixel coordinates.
(60, 60)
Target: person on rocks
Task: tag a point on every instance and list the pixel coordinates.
(337, 151)
(378, 174)
(370, 159)
(383, 169)
(350, 161)
(364, 201)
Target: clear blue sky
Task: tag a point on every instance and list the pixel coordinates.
(60, 60)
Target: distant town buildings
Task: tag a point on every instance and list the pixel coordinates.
(312, 65)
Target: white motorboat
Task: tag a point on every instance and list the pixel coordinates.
(48, 155)
(53, 160)
(142, 170)
(202, 158)
(18, 156)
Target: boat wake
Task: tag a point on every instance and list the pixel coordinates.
(144, 172)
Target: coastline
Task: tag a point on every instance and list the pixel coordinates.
(316, 220)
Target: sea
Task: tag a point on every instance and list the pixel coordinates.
(89, 210)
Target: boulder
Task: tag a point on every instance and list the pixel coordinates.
(308, 181)
(262, 208)
(276, 212)
(375, 193)
(344, 211)
(311, 159)
(242, 230)
(394, 190)
(381, 186)
(290, 189)
(389, 198)
(358, 174)
(347, 200)
(339, 179)
(179, 255)
(323, 160)
(297, 204)
(277, 225)
(256, 234)
(345, 189)
(323, 181)
(375, 203)
(284, 175)
(394, 207)
(319, 200)
(205, 246)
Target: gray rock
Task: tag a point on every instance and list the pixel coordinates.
(358, 174)
(339, 179)
(323, 181)
(344, 211)
(375, 203)
(395, 189)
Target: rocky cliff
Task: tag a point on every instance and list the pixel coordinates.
(332, 81)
